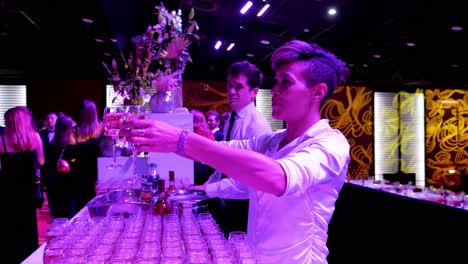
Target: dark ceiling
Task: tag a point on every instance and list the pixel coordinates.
(48, 39)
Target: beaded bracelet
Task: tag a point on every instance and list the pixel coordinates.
(181, 142)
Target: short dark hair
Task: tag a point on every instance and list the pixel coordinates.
(322, 65)
(250, 71)
(213, 113)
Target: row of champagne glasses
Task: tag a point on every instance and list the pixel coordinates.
(113, 127)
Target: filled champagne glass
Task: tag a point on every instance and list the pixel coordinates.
(111, 122)
(132, 112)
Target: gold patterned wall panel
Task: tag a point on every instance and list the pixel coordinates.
(446, 136)
(205, 95)
(350, 110)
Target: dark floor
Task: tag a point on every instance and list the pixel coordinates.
(43, 220)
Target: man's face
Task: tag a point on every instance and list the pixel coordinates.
(239, 92)
(212, 122)
(51, 120)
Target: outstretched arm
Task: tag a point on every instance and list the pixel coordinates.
(248, 167)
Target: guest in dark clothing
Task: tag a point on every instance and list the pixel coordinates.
(83, 172)
(200, 126)
(47, 134)
(2, 129)
(20, 152)
(85, 153)
(59, 189)
(213, 119)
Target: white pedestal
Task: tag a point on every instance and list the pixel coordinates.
(182, 167)
(115, 178)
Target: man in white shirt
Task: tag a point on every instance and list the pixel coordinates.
(292, 176)
(243, 82)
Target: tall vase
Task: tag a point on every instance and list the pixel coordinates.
(168, 101)
(162, 102)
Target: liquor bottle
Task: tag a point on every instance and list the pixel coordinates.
(161, 207)
(146, 194)
(171, 186)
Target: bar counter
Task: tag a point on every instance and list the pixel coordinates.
(373, 226)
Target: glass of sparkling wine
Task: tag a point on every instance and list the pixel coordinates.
(111, 122)
(132, 112)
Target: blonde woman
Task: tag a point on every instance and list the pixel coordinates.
(20, 134)
(200, 126)
(20, 154)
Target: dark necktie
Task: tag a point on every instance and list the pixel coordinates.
(228, 135)
(231, 124)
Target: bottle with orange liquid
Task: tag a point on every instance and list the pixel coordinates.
(161, 206)
(171, 186)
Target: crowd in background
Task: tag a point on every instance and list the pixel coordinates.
(60, 153)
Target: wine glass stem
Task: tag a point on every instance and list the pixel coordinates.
(114, 153)
(135, 169)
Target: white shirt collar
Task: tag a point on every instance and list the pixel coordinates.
(246, 109)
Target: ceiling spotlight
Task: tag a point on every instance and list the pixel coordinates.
(365, 65)
(246, 7)
(87, 20)
(99, 40)
(218, 44)
(332, 11)
(263, 10)
(106, 54)
(250, 55)
(454, 65)
(265, 42)
(306, 30)
(411, 44)
(230, 46)
(114, 40)
(456, 28)
(377, 56)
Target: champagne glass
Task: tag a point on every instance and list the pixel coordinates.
(132, 112)
(111, 122)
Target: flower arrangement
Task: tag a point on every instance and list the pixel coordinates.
(158, 60)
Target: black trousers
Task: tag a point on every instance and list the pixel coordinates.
(230, 214)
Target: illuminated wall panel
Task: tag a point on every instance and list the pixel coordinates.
(263, 104)
(11, 96)
(386, 125)
(412, 135)
(399, 134)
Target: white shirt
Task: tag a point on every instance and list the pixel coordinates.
(248, 123)
(293, 228)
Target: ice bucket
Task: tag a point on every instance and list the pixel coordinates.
(123, 202)
(188, 202)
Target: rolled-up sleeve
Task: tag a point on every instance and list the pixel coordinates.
(311, 166)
